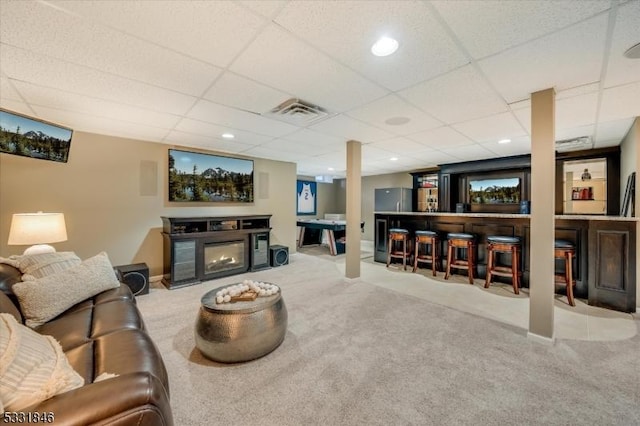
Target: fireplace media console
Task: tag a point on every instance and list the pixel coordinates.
(205, 248)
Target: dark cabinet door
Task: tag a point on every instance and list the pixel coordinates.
(612, 265)
(183, 262)
(259, 251)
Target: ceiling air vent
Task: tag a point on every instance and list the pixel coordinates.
(298, 112)
(574, 144)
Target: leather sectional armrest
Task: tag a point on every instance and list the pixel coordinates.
(137, 398)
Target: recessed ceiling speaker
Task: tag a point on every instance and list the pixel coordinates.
(278, 255)
(135, 276)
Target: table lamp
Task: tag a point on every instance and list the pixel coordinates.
(39, 229)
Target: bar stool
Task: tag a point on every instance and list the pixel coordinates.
(567, 251)
(460, 241)
(503, 244)
(426, 239)
(398, 237)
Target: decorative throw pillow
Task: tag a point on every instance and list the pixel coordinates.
(34, 266)
(32, 366)
(45, 298)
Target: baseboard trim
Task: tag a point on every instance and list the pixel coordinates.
(155, 278)
(550, 341)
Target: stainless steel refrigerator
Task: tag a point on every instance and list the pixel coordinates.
(393, 199)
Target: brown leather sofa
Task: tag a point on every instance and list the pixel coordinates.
(104, 334)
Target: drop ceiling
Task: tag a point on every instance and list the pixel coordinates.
(185, 72)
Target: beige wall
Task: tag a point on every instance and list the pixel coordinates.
(103, 192)
(630, 162)
(369, 184)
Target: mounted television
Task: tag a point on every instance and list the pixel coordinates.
(494, 191)
(28, 137)
(194, 176)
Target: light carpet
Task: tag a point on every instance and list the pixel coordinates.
(355, 353)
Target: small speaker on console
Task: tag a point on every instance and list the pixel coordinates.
(135, 276)
(462, 208)
(278, 255)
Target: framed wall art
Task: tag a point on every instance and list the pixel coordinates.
(306, 193)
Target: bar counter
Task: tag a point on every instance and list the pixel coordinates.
(605, 262)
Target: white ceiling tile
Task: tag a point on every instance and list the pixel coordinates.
(577, 51)
(266, 8)
(346, 30)
(202, 128)
(205, 142)
(400, 146)
(515, 147)
(261, 152)
(8, 90)
(392, 106)
(311, 137)
(48, 72)
(297, 68)
(207, 30)
(53, 98)
(442, 137)
(17, 106)
(350, 129)
(576, 111)
(237, 119)
(575, 91)
(620, 102)
(523, 115)
(283, 145)
(460, 95)
(242, 93)
(321, 163)
(434, 158)
(487, 27)
(369, 152)
(100, 125)
(493, 128)
(611, 133)
(85, 43)
(574, 132)
(622, 70)
(470, 152)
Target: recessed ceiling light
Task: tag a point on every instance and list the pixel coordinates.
(331, 169)
(633, 52)
(385, 46)
(228, 135)
(503, 141)
(393, 158)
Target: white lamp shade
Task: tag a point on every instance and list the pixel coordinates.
(37, 228)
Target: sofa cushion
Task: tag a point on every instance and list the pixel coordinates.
(34, 266)
(126, 352)
(32, 366)
(45, 298)
(71, 329)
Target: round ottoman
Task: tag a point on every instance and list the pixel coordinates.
(240, 331)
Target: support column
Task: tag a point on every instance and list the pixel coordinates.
(541, 281)
(354, 208)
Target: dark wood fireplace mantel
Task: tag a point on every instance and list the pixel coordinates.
(239, 244)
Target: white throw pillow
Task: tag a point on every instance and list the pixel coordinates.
(45, 298)
(34, 266)
(33, 367)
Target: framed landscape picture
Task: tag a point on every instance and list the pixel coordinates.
(29, 137)
(306, 193)
(200, 177)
